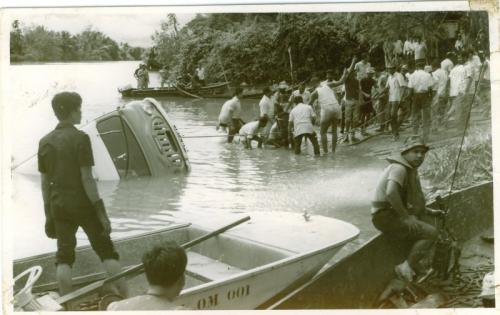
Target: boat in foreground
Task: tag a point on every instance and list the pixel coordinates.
(240, 269)
(358, 279)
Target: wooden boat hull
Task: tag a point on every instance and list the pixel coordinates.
(230, 271)
(357, 280)
(213, 91)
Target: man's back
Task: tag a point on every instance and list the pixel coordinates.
(61, 153)
(145, 302)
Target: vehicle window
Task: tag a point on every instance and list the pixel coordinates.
(123, 147)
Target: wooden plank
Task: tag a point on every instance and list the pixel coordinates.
(209, 268)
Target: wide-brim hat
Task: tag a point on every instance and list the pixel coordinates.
(413, 142)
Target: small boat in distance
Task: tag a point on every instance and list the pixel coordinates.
(240, 269)
(214, 90)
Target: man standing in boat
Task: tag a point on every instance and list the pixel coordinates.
(229, 116)
(70, 194)
(399, 205)
(164, 266)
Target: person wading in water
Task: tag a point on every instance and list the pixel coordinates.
(330, 107)
(70, 194)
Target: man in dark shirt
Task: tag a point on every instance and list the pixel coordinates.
(366, 108)
(70, 193)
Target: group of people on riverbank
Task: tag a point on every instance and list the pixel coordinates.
(428, 96)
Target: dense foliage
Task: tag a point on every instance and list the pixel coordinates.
(264, 47)
(37, 44)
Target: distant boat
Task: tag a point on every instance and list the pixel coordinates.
(214, 90)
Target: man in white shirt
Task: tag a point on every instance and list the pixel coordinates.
(461, 77)
(420, 84)
(447, 64)
(330, 107)
(440, 100)
(361, 67)
(301, 124)
(301, 91)
(200, 73)
(395, 86)
(408, 48)
(266, 107)
(252, 131)
(230, 115)
(420, 49)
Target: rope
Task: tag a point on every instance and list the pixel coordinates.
(463, 135)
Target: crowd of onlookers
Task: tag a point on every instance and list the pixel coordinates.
(430, 95)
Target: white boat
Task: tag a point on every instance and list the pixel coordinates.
(240, 269)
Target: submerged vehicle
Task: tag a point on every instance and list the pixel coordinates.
(358, 279)
(137, 139)
(240, 269)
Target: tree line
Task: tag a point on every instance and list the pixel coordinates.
(37, 44)
(262, 47)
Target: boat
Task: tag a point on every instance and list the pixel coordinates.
(358, 279)
(239, 269)
(214, 90)
(137, 139)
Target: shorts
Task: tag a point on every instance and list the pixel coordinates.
(388, 222)
(66, 239)
(331, 112)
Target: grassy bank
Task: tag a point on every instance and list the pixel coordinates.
(475, 164)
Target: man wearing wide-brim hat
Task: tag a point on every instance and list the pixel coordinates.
(399, 204)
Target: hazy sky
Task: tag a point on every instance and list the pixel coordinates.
(134, 29)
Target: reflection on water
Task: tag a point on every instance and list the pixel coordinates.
(224, 177)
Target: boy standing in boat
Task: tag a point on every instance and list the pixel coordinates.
(399, 204)
(164, 266)
(70, 195)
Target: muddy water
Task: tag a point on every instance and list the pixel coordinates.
(224, 177)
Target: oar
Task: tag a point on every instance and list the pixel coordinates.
(139, 268)
(186, 92)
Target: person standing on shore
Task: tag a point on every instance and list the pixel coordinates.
(352, 103)
(420, 85)
(230, 115)
(440, 99)
(366, 108)
(70, 195)
(395, 86)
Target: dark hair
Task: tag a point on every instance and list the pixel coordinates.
(64, 103)
(238, 91)
(436, 64)
(298, 99)
(263, 120)
(165, 263)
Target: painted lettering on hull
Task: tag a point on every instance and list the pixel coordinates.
(212, 301)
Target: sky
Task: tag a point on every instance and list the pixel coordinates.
(134, 29)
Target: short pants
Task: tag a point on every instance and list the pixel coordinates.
(66, 240)
(387, 221)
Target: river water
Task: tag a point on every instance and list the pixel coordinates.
(224, 177)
